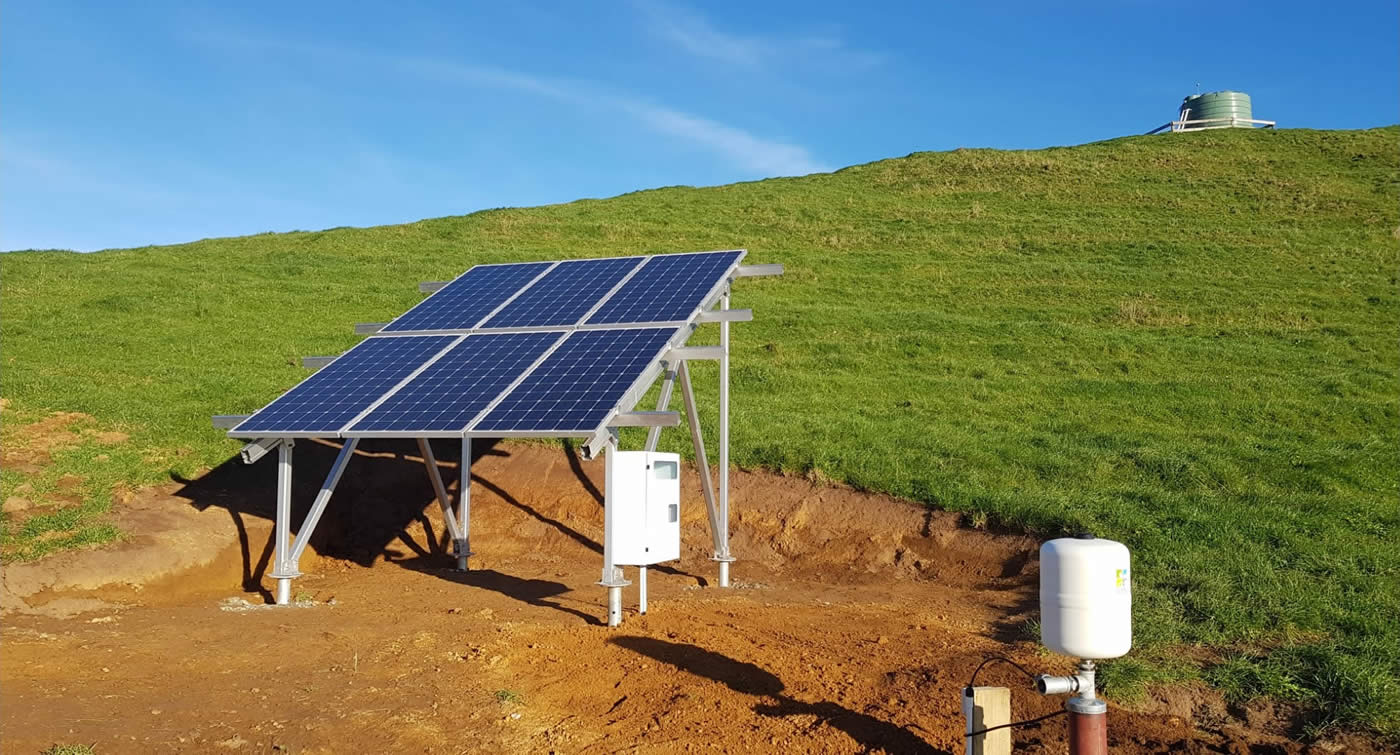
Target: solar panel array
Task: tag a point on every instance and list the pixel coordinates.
(544, 348)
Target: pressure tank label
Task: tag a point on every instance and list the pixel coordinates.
(1121, 579)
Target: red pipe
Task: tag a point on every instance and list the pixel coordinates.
(1088, 732)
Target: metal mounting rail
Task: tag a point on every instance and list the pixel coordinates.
(758, 271)
(646, 419)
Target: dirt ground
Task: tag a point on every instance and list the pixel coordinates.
(854, 621)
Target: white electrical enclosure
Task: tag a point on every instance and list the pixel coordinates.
(1086, 597)
(644, 492)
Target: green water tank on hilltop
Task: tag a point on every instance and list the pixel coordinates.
(1217, 105)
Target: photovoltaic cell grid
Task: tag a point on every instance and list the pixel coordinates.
(576, 387)
(463, 302)
(449, 394)
(565, 294)
(572, 391)
(669, 287)
(324, 402)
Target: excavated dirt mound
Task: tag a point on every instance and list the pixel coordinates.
(854, 621)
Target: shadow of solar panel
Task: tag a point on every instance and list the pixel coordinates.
(324, 402)
(574, 389)
(565, 294)
(450, 393)
(668, 288)
(464, 302)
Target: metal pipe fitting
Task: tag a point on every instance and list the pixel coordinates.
(1046, 684)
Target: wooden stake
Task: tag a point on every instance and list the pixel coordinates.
(984, 708)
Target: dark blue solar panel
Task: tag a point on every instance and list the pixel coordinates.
(565, 294)
(324, 402)
(463, 302)
(668, 288)
(576, 387)
(450, 393)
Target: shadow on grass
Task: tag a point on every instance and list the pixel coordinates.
(746, 678)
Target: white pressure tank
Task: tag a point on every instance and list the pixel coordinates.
(1086, 599)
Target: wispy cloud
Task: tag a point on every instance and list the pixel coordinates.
(755, 154)
(693, 33)
(751, 153)
(763, 156)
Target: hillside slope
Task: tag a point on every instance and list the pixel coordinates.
(1185, 342)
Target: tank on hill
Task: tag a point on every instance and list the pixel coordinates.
(1223, 109)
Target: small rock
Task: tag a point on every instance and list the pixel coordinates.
(884, 641)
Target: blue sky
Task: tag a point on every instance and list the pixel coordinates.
(127, 124)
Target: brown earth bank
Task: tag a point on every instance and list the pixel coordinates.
(853, 623)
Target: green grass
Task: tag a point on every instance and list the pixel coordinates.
(69, 750)
(1184, 342)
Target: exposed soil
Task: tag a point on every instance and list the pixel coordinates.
(854, 621)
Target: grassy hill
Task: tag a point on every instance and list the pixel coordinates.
(1185, 342)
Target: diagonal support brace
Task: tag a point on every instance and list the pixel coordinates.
(435, 475)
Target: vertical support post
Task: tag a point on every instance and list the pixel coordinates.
(464, 506)
(642, 590)
(663, 401)
(612, 575)
(283, 571)
(723, 555)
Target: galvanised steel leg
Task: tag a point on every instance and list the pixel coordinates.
(642, 590)
(464, 506)
(612, 575)
(282, 570)
(723, 551)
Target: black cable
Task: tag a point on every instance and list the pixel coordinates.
(973, 681)
(1017, 723)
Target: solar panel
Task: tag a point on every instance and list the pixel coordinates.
(464, 302)
(466, 379)
(565, 294)
(575, 388)
(324, 402)
(450, 393)
(668, 288)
